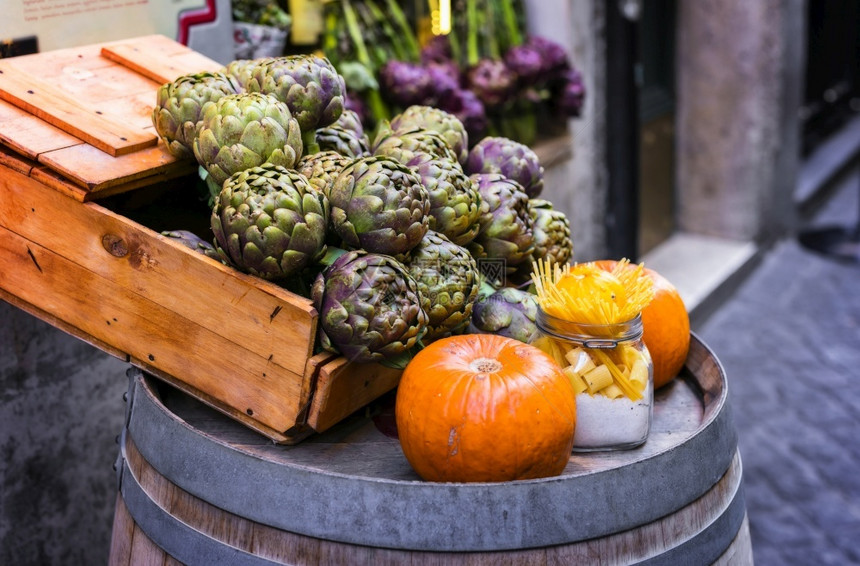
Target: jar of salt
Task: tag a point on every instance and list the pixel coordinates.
(612, 373)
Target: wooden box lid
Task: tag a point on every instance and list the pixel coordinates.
(84, 113)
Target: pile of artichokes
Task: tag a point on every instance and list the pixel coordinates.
(393, 233)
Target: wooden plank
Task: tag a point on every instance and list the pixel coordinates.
(121, 535)
(259, 316)
(149, 331)
(154, 65)
(96, 170)
(15, 162)
(344, 387)
(54, 106)
(29, 135)
(276, 436)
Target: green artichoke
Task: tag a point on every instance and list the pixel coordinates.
(350, 120)
(551, 231)
(510, 158)
(447, 276)
(308, 84)
(179, 108)
(322, 169)
(455, 203)
(370, 308)
(268, 221)
(380, 206)
(506, 224)
(241, 70)
(434, 119)
(405, 146)
(508, 312)
(343, 141)
(245, 130)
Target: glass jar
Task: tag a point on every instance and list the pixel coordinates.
(612, 374)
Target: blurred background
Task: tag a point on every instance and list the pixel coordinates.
(693, 136)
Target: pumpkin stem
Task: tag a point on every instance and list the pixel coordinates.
(485, 365)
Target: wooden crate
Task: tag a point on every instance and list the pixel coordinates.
(79, 161)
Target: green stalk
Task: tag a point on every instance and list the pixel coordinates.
(413, 50)
(472, 55)
(355, 34)
(376, 43)
(399, 50)
(510, 19)
(490, 28)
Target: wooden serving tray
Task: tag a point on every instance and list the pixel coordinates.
(79, 158)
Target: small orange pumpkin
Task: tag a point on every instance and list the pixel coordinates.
(484, 408)
(665, 326)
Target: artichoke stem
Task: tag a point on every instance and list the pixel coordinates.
(309, 140)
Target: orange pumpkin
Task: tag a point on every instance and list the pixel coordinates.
(665, 326)
(484, 408)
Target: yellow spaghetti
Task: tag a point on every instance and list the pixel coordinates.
(587, 294)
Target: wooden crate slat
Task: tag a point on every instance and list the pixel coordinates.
(263, 318)
(154, 65)
(29, 135)
(95, 170)
(54, 106)
(148, 331)
(342, 387)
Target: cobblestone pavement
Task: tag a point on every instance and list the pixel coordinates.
(789, 340)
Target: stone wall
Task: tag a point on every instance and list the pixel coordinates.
(739, 68)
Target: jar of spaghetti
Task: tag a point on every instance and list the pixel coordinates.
(612, 374)
(589, 321)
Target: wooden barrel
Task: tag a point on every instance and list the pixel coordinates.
(197, 488)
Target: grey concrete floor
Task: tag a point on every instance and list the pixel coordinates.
(788, 337)
(789, 340)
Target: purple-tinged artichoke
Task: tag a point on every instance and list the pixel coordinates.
(268, 221)
(491, 81)
(370, 308)
(437, 49)
(403, 83)
(179, 108)
(447, 276)
(510, 158)
(343, 141)
(455, 203)
(571, 96)
(526, 62)
(468, 109)
(308, 84)
(405, 146)
(445, 79)
(241, 70)
(551, 231)
(379, 205)
(508, 312)
(435, 120)
(506, 224)
(241, 131)
(192, 241)
(553, 55)
(356, 104)
(322, 168)
(350, 120)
